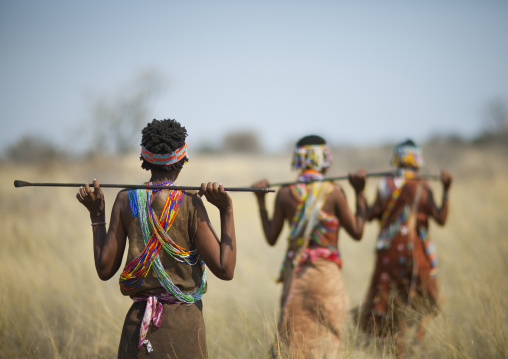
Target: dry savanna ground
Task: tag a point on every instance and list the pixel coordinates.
(52, 304)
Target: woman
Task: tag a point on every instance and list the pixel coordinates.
(404, 278)
(314, 301)
(170, 239)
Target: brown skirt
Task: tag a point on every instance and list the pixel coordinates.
(314, 309)
(181, 334)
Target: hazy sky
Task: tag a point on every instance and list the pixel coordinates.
(356, 72)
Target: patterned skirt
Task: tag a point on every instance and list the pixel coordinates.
(403, 287)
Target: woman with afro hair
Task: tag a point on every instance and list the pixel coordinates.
(170, 238)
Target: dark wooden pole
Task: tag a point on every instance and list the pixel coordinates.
(338, 178)
(18, 183)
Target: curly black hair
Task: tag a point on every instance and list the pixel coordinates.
(311, 140)
(163, 137)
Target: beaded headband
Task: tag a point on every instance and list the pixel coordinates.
(314, 157)
(409, 156)
(164, 159)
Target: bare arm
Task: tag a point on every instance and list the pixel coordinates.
(219, 256)
(271, 227)
(353, 224)
(376, 210)
(108, 247)
(440, 214)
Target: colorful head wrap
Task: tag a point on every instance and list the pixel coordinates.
(407, 155)
(164, 159)
(315, 157)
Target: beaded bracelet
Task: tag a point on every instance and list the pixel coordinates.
(98, 223)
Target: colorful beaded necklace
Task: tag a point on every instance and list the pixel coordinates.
(155, 236)
(388, 232)
(306, 194)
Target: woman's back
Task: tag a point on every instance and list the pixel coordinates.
(182, 232)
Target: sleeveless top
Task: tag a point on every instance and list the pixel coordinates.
(186, 277)
(313, 232)
(324, 232)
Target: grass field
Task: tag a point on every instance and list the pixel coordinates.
(53, 305)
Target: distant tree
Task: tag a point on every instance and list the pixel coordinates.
(495, 122)
(206, 148)
(438, 139)
(243, 141)
(33, 149)
(119, 120)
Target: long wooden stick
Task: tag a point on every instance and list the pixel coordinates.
(371, 174)
(18, 183)
(430, 177)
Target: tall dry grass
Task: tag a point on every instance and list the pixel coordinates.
(52, 304)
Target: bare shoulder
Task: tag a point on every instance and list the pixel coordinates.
(122, 202)
(428, 196)
(426, 185)
(122, 197)
(122, 208)
(338, 192)
(335, 199)
(193, 195)
(284, 193)
(423, 184)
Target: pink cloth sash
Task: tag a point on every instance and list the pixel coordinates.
(320, 252)
(153, 313)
